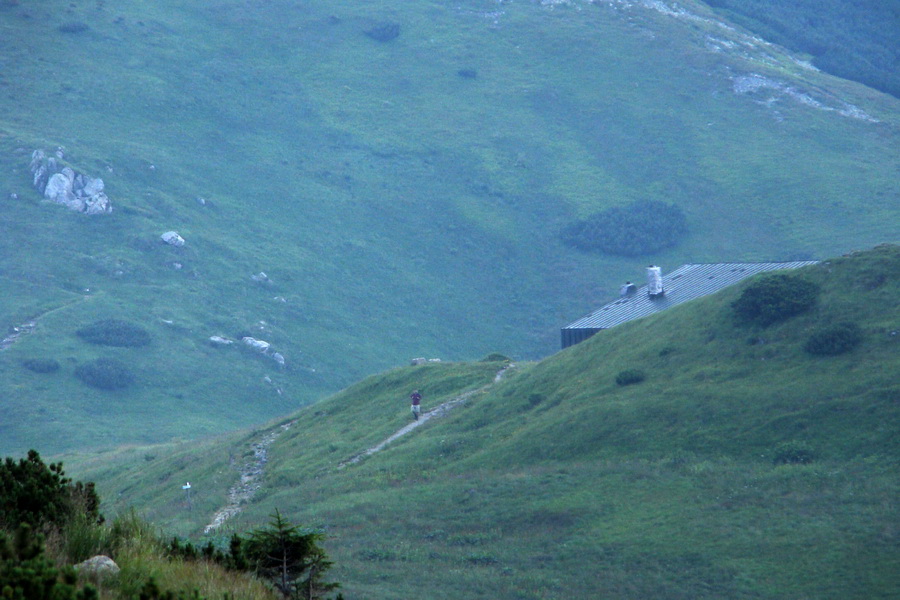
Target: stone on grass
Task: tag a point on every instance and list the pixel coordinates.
(258, 345)
(172, 238)
(98, 565)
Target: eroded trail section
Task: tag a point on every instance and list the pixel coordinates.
(436, 412)
(251, 478)
(17, 332)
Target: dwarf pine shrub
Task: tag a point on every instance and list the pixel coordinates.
(636, 229)
(793, 453)
(774, 298)
(114, 332)
(105, 374)
(41, 365)
(630, 376)
(38, 494)
(834, 339)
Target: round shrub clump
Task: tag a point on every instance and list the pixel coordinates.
(834, 340)
(639, 228)
(41, 365)
(114, 332)
(793, 453)
(495, 357)
(105, 374)
(774, 298)
(630, 376)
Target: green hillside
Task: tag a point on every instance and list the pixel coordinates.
(742, 466)
(404, 197)
(854, 40)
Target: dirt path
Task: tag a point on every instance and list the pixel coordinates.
(251, 478)
(16, 333)
(439, 411)
(252, 470)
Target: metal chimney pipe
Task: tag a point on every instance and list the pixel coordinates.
(654, 282)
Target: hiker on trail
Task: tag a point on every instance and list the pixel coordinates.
(416, 398)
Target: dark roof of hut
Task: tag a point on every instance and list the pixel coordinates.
(687, 282)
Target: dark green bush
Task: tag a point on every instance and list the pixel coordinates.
(35, 493)
(26, 573)
(834, 339)
(114, 332)
(639, 228)
(105, 374)
(41, 365)
(630, 376)
(793, 453)
(774, 298)
(535, 399)
(495, 357)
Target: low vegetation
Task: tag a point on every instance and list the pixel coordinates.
(49, 524)
(773, 298)
(105, 374)
(41, 365)
(114, 332)
(637, 229)
(834, 339)
(630, 377)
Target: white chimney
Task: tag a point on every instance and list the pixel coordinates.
(654, 282)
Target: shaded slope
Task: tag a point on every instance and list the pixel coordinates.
(559, 483)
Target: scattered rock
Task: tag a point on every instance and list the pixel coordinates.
(66, 186)
(172, 238)
(217, 340)
(98, 565)
(260, 277)
(418, 361)
(258, 345)
(279, 358)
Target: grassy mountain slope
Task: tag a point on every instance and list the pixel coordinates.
(555, 482)
(405, 197)
(857, 41)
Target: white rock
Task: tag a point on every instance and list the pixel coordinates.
(220, 341)
(97, 204)
(173, 239)
(260, 277)
(40, 178)
(259, 345)
(99, 565)
(92, 187)
(279, 358)
(418, 361)
(57, 185)
(37, 160)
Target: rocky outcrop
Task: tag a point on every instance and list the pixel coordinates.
(64, 185)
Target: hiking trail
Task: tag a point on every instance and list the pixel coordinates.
(251, 478)
(439, 411)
